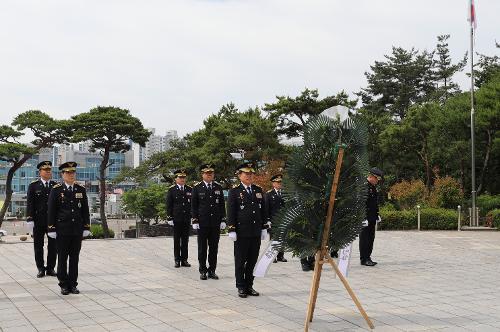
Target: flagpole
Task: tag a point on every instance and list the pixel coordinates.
(474, 222)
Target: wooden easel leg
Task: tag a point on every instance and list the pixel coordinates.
(351, 292)
(313, 295)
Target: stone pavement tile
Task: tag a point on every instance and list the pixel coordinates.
(167, 328)
(121, 325)
(89, 328)
(111, 318)
(50, 325)
(22, 328)
(4, 324)
(144, 322)
(186, 324)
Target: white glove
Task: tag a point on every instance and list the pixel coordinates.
(379, 219)
(52, 235)
(196, 226)
(222, 225)
(170, 222)
(263, 234)
(30, 225)
(232, 236)
(365, 223)
(86, 233)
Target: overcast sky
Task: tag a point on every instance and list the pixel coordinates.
(172, 63)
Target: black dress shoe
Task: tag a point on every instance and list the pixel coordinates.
(252, 292)
(41, 273)
(242, 292)
(185, 264)
(212, 275)
(51, 273)
(74, 290)
(306, 267)
(64, 291)
(177, 264)
(368, 262)
(203, 276)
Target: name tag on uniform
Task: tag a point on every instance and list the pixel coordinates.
(79, 195)
(217, 201)
(258, 195)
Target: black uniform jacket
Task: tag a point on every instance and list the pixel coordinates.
(179, 203)
(274, 203)
(372, 203)
(37, 198)
(68, 211)
(246, 214)
(207, 206)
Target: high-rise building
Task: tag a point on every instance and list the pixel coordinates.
(157, 143)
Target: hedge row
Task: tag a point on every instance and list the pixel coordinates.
(98, 232)
(494, 216)
(430, 218)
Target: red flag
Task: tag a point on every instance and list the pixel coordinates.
(472, 15)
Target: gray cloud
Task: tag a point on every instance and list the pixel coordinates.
(172, 63)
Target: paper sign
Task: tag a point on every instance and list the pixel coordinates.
(265, 260)
(344, 259)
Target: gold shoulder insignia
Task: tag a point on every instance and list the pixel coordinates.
(257, 185)
(79, 185)
(171, 186)
(57, 185)
(34, 181)
(269, 191)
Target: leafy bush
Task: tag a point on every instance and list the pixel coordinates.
(487, 203)
(98, 232)
(430, 218)
(408, 194)
(493, 218)
(446, 193)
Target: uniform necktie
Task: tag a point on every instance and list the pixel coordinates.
(249, 189)
(70, 188)
(210, 186)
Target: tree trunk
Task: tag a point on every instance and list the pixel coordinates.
(102, 192)
(485, 163)
(8, 185)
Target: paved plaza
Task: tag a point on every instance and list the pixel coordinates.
(434, 281)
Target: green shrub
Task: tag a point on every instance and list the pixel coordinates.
(430, 219)
(98, 232)
(487, 203)
(493, 218)
(446, 193)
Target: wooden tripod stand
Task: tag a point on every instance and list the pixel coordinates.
(323, 256)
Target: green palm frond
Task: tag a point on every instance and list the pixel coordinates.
(308, 183)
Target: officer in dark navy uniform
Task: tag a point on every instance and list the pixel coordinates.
(274, 203)
(179, 216)
(247, 226)
(68, 222)
(37, 198)
(367, 235)
(208, 214)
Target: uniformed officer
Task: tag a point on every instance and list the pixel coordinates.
(247, 226)
(37, 197)
(179, 216)
(68, 222)
(274, 202)
(367, 235)
(208, 217)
